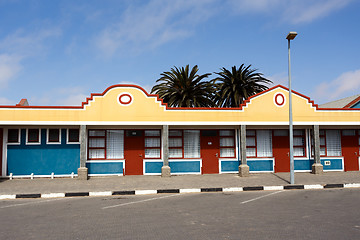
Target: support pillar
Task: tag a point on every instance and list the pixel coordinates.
(317, 167)
(243, 167)
(82, 170)
(165, 169)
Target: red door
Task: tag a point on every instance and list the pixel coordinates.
(281, 149)
(210, 151)
(350, 151)
(1, 149)
(134, 152)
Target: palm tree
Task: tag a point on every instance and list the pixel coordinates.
(181, 88)
(236, 86)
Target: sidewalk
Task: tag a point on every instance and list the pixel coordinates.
(132, 183)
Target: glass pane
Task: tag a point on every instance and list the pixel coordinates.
(152, 153)
(175, 153)
(13, 135)
(152, 142)
(298, 141)
(227, 152)
(73, 135)
(333, 142)
(322, 151)
(264, 143)
(322, 141)
(191, 144)
(96, 153)
(299, 132)
(115, 144)
(250, 132)
(96, 142)
(175, 133)
(250, 142)
(97, 133)
(250, 152)
(54, 135)
(226, 142)
(227, 133)
(175, 142)
(151, 133)
(33, 135)
(299, 152)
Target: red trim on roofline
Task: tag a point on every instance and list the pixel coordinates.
(174, 108)
(353, 102)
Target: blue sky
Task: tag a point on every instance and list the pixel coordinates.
(58, 52)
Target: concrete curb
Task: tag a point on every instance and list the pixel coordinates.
(178, 190)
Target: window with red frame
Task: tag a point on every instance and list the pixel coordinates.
(299, 143)
(184, 143)
(152, 144)
(227, 143)
(106, 144)
(330, 143)
(259, 143)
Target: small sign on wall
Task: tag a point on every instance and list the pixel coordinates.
(327, 163)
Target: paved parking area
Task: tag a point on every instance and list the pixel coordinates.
(46, 185)
(285, 214)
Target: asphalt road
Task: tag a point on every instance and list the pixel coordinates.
(289, 214)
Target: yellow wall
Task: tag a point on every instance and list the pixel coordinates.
(145, 109)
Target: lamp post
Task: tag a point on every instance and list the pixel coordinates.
(289, 37)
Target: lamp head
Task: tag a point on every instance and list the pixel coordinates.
(291, 35)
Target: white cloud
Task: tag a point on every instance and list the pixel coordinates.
(246, 6)
(294, 11)
(18, 46)
(346, 84)
(28, 43)
(308, 11)
(151, 25)
(9, 67)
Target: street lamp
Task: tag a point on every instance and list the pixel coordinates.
(291, 36)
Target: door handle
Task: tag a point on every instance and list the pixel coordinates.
(140, 155)
(216, 155)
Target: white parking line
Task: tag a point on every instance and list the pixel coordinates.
(145, 200)
(31, 203)
(251, 200)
